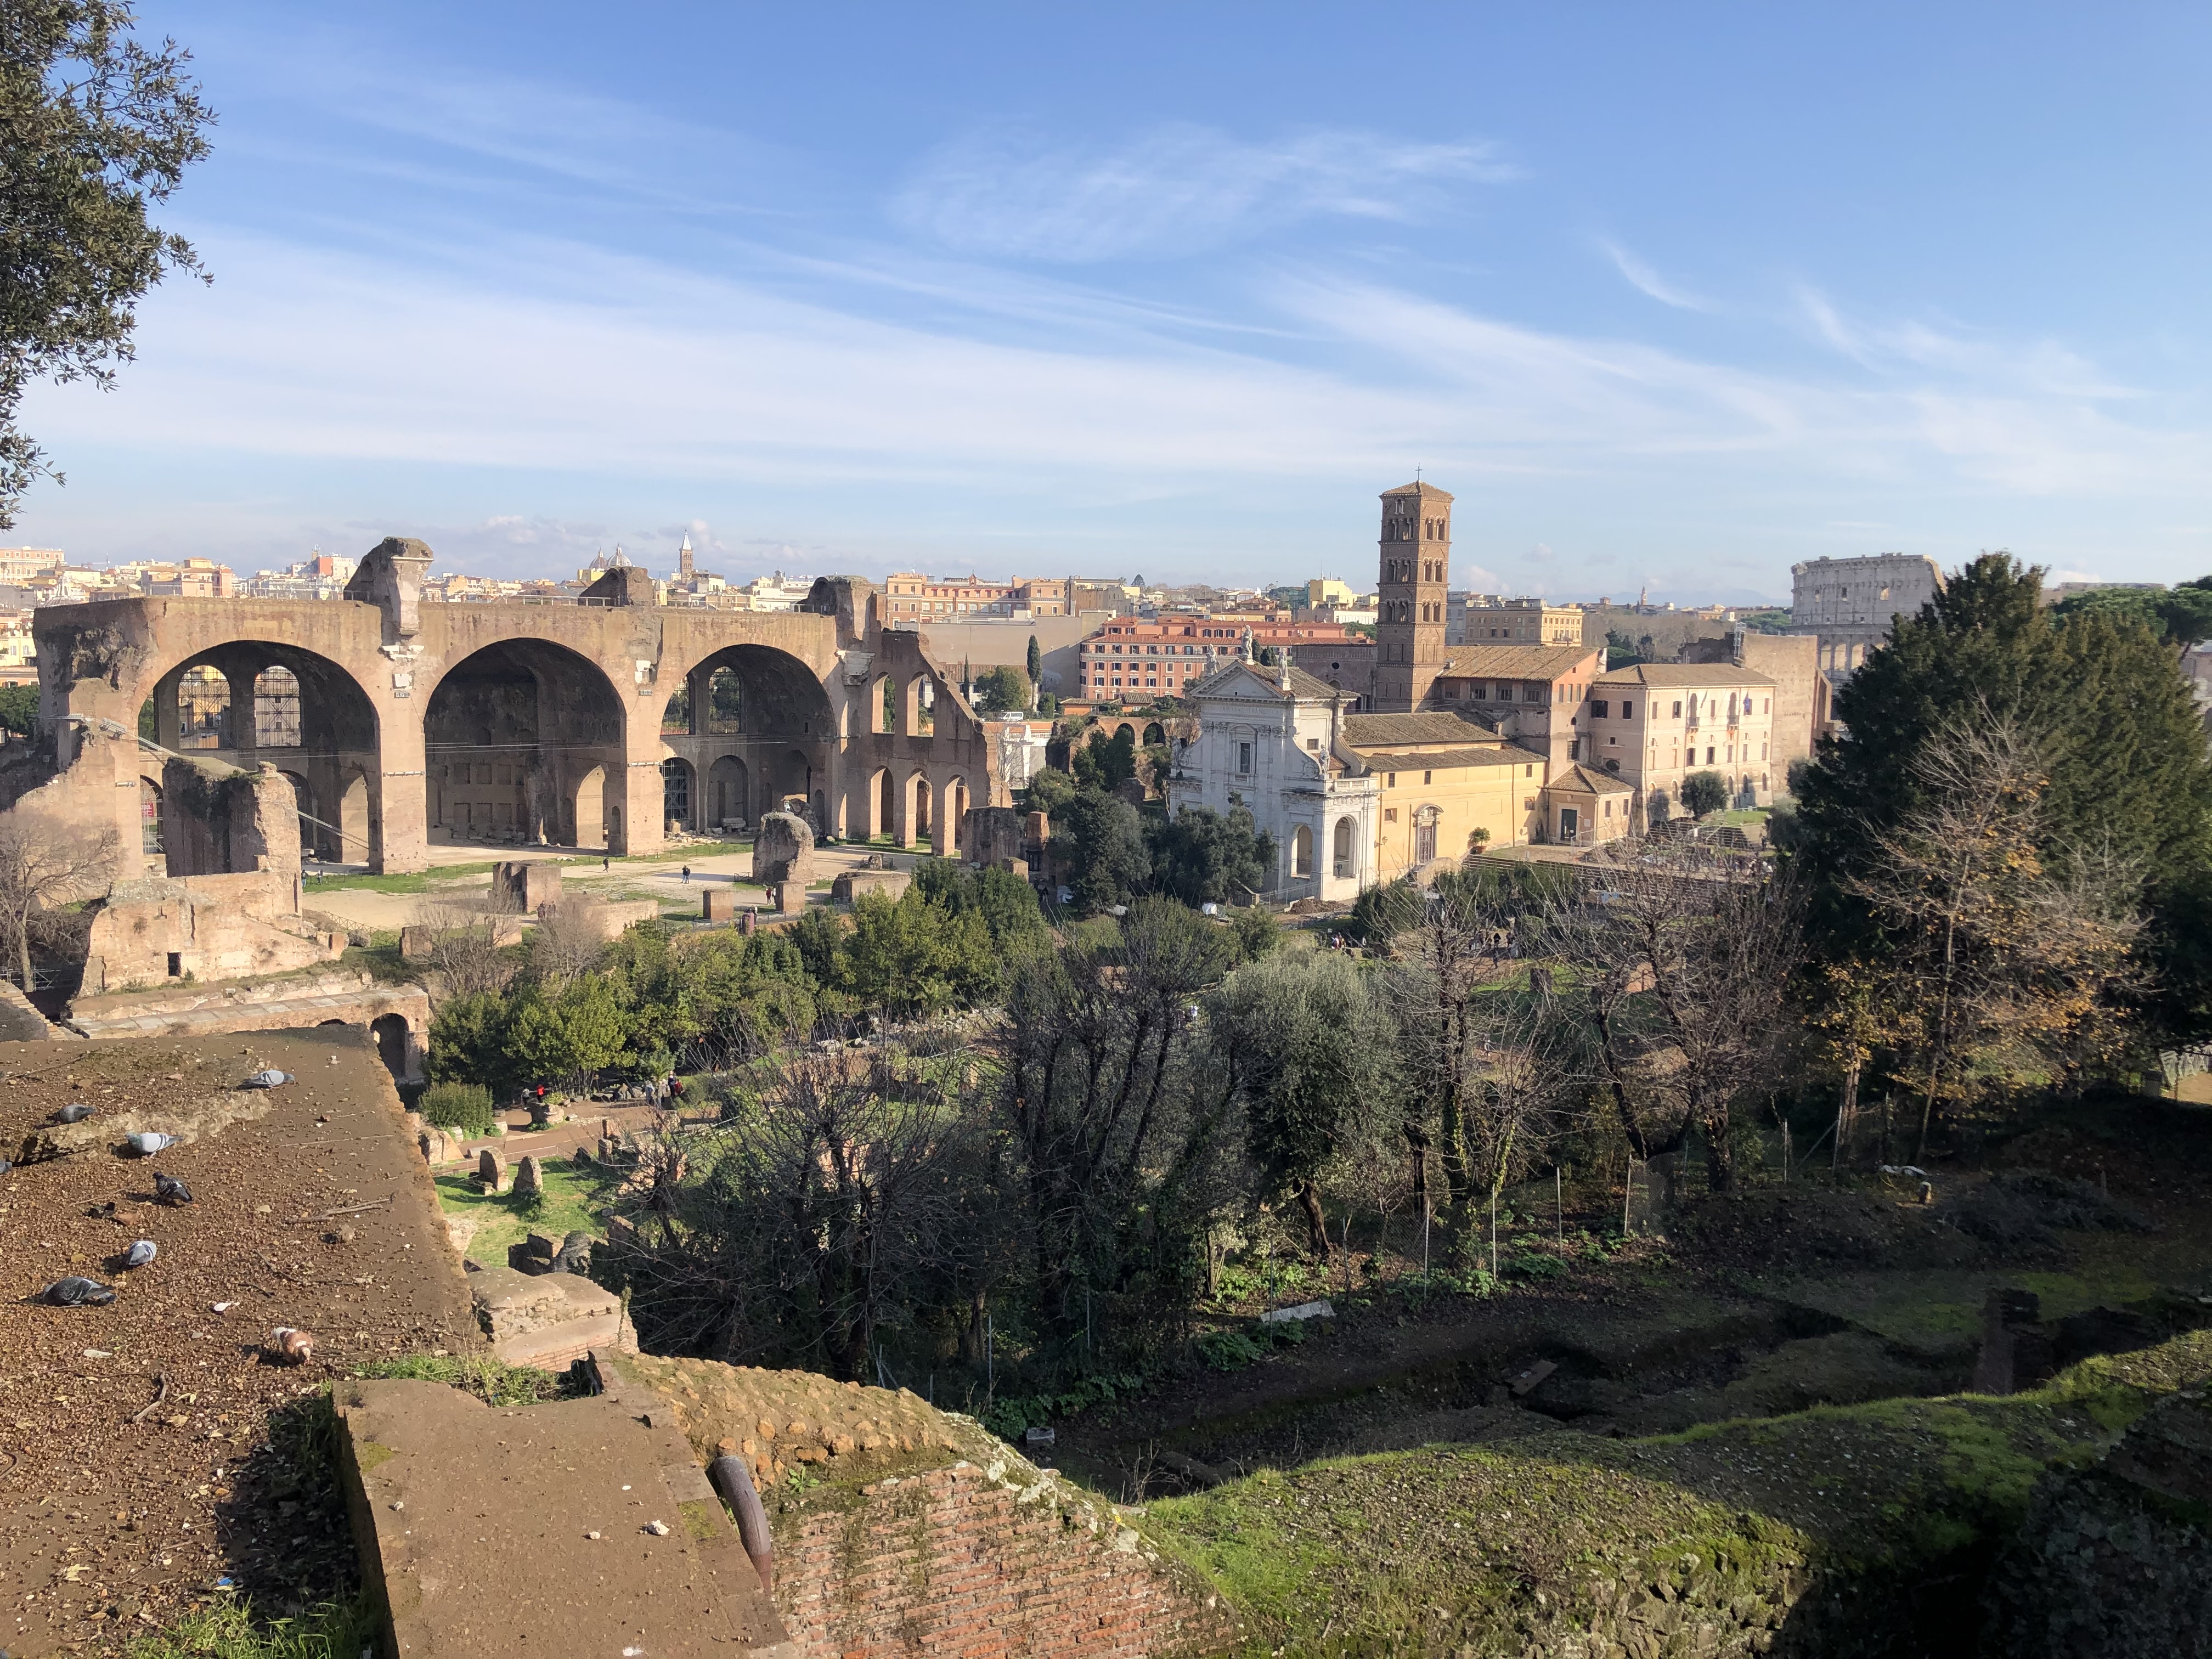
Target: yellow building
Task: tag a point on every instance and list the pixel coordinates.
(1328, 591)
(1446, 785)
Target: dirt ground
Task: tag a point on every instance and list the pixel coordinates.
(153, 1455)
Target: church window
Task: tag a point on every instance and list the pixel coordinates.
(1243, 757)
(1678, 709)
(1598, 708)
(1628, 711)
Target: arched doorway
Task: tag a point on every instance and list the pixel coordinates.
(883, 804)
(726, 786)
(149, 818)
(586, 822)
(1302, 850)
(509, 733)
(956, 815)
(392, 1046)
(676, 793)
(1340, 862)
(276, 708)
(203, 709)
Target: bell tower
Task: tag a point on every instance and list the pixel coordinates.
(1414, 591)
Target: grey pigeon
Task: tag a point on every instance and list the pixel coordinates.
(147, 1142)
(139, 1253)
(74, 1292)
(168, 1189)
(75, 1112)
(271, 1078)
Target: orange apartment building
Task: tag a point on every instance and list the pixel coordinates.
(1124, 659)
(910, 597)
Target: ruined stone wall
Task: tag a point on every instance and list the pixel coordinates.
(903, 1530)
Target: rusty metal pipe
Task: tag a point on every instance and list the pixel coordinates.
(734, 1480)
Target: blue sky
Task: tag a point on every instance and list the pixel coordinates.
(1667, 296)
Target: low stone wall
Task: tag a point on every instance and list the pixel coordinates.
(903, 1530)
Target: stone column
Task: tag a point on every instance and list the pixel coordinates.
(399, 802)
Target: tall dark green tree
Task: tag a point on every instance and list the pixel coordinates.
(1200, 855)
(1035, 662)
(98, 127)
(2111, 717)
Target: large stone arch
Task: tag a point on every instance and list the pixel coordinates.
(774, 721)
(329, 730)
(510, 732)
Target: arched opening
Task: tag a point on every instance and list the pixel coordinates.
(353, 835)
(956, 815)
(725, 702)
(203, 709)
(676, 713)
(676, 793)
(276, 708)
(1125, 730)
(507, 734)
(288, 700)
(726, 786)
(918, 817)
(150, 818)
(883, 707)
(1340, 851)
(760, 739)
(1155, 733)
(585, 821)
(314, 840)
(884, 807)
(1302, 850)
(392, 1045)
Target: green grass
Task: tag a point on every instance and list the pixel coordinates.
(486, 1378)
(228, 1630)
(1345, 1555)
(576, 1196)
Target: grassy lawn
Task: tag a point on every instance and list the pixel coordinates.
(577, 1195)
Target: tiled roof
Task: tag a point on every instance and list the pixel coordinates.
(1428, 492)
(1495, 754)
(1434, 727)
(1683, 674)
(1516, 662)
(1590, 780)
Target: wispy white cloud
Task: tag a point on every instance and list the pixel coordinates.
(1176, 190)
(1649, 282)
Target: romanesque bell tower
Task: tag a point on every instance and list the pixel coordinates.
(1416, 579)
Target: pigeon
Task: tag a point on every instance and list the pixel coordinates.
(293, 1348)
(147, 1142)
(75, 1112)
(168, 1189)
(6, 1164)
(271, 1078)
(139, 1253)
(76, 1293)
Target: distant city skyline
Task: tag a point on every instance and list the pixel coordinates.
(1672, 299)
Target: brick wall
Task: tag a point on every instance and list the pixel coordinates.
(969, 1560)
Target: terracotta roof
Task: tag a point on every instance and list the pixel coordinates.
(1496, 754)
(1423, 488)
(1589, 780)
(1682, 674)
(1442, 727)
(1516, 662)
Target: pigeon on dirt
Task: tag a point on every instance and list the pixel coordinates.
(147, 1142)
(76, 1293)
(271, 1078)
(141, 1252)
(293, 1348)
(168, 1189)
(75, 1112)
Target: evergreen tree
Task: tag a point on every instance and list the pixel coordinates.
(2111, 719)
(1035, 662)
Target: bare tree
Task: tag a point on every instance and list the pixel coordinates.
(567, 942)
(1992, 943)
(45, 862)
(464, 951)
(1678, 964)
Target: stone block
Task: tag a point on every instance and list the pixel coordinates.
(529, 1179)
(992, 834)
(849, 884)
(783, 849)
(414, 944)
(719, 904)
(523, 886)
(548, 1319)
(491, 1171)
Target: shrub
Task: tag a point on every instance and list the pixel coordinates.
(463, 1106)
